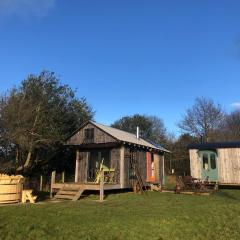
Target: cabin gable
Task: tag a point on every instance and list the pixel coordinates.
(90, 134)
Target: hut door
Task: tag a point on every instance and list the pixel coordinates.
(209, 165)
(150, 168)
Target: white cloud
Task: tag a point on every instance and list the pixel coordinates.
(37, 8)
(236, 105)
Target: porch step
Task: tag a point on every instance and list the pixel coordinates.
(69, 193)
(65, 192)
(61, 196)
(78, 195)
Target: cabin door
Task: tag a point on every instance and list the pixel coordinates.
(150, 167)
(209, 165)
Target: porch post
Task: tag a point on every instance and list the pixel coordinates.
(77, 165)
(53, 180)
(122, 167)
(163, 170)
(101, 186)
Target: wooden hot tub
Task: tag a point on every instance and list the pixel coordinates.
(11, 188)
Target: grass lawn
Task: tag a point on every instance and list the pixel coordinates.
(127, 216)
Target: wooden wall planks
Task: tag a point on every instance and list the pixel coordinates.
(99, 136)
(195, 163)
(228, 164)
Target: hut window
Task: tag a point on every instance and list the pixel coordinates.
(89, 134)
(213, 160)
(205, 161)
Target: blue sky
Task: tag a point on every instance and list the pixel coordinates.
(126, 57)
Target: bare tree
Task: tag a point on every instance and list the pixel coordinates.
(203, 119)
(231, 128)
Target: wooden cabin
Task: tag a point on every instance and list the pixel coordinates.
(95, 143)
(128, 160)
(217, 162)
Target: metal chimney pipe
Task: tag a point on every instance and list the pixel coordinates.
(137, 133)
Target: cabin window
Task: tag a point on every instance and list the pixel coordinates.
(96, 159)
(105, 158)
(205, 161)
(213, 160)
(88, 135)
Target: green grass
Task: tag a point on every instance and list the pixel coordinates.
(127, 216)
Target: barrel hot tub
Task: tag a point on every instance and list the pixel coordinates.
(11, 188)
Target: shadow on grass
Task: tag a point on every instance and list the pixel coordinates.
(107, 193)
(229, 187)
(88, 194)
(233, 195)
(41, 196)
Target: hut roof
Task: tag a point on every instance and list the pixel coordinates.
(128, 137)
(214, 145)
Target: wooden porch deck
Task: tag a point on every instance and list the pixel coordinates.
(86, 186)
(74, 190)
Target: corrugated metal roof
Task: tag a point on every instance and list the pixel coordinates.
(128, 137)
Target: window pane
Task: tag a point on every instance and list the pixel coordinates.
(213, 160)
(105, 158)
(205, 161)
(86, 133)
(89, 135)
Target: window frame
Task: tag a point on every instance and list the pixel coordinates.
(215, 160)
(88, 135)
(204, 162)
(207, 155)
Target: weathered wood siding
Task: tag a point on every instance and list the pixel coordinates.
(128, 171)
(83, 166)
(127, 166)
(141, 158)
(142, 163)
(120, 160)
(229, 165)
(84, 158)
(158, 167)
(122, 167)
(99, 136)
(161, 168)
(195, 164)
(115, 162)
